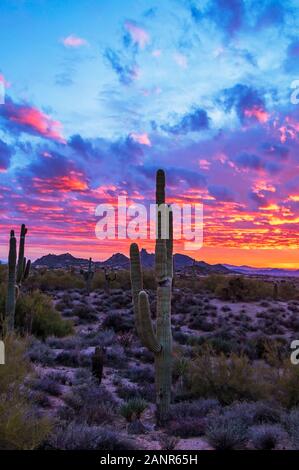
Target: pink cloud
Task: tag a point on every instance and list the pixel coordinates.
(142, 139)
(26, 118)
(138, 35)
(181, 60)
(74, 41)
(258, 113)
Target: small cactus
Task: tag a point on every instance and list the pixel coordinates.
(159, 342)
(16, 274)
(97, 364)
(88, 276)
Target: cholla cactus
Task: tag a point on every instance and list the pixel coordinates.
(88, 276)
(159, 341)
(15, 274)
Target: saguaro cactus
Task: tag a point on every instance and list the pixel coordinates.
(88, 276)
(159, 341)
(23, 267)
(15, 274)
(11, 285)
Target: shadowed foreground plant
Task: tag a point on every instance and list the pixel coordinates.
(20, 427)
(159, 342)
(16, 275)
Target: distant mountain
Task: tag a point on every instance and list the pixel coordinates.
(59, 261)
(118, 260)
(263, 271)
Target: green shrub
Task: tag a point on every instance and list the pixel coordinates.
(35, 314)
(20, 427)
(227, 378)
(238, 288)
(57, 279)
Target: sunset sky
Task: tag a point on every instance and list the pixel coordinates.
(102, 93)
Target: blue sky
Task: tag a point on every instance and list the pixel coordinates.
(101, 93)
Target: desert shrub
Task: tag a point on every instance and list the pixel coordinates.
(238, 288)
(259, 412)
(84, 313)
(227, 379)
(73, 359)
(267, 436)
(46, 384)
(99, 337)
(140, 374)
(291, 423)
(116, 357)
(127, 391)
(187, 427)
(76, 436)
(133, 408)
(225, 434)
(196, 408)
(119, 322)
(20, 426)
(89, 404)
(35, 313)
(40, 352)
(58, 279)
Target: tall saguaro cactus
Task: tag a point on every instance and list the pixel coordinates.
(159, 341)
(11, 285)
(16, 274)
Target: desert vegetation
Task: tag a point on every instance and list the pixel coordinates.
(80, 375)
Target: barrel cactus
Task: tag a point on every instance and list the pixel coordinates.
(16, 274)
(158, 340)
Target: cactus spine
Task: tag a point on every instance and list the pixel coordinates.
(16, 274)
(159, 341)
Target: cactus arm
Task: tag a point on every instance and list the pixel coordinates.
(20, 266)
(27, 269)
(136, 281)
(147, 334)
(169, 247)
(11, 286)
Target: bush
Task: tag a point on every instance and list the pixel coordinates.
(187, 427)
(40, 352)
(118, 322)
(20, 426)
(225, 434)
(238, 288)
(89, 404)
(133, 408)
(193, 409)
(291, 423)
(227, 379)
(83, 437)
(267, 436)
(46, 384)
(35, 314)
(58, 279)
